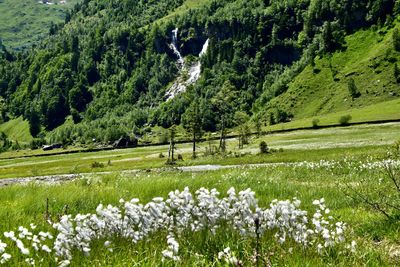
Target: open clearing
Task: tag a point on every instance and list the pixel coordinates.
(318, 144)
(314, 164)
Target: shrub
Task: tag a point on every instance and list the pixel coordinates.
(16, 146)
(345, 120)
(263, 147)
(97, 165)
(353, 90)
(315, 123)
(37, 143)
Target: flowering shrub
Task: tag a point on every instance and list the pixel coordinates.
(181, 211)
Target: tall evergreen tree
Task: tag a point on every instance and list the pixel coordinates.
(34, 122)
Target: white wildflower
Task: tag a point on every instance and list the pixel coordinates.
(2, 247)
(46, 248)
(4, 258)
(22, 248)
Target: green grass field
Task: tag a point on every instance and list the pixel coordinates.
(377, 238)
(24, 22)
(350, 147)
(316, 144)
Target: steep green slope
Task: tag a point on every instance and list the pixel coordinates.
(187, 6)
(382, 111)
(24, 22)
(17, 130)
(368, 58)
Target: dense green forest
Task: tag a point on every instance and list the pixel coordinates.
(104, 73)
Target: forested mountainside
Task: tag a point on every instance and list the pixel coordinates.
(116, 67)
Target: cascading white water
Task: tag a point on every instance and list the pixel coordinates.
(194, 70)
(204, 49)
(174, 47)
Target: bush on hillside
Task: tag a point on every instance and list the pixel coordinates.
(263, 147)
(96, 164)
(353, 90)
(345, 120)
(315, 123)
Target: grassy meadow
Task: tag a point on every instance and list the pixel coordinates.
(311, 145)
(377, 237)
(24, 22)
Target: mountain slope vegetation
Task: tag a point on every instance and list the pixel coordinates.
(369, 59)
(109, 67)
(25, 22)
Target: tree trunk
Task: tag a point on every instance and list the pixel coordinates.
(194, 144)
(172, 150)
(222, 139)
(169, 150)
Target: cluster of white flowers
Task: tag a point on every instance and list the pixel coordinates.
(347, 163)
(183, 211)
(24, 239)
(4, 256)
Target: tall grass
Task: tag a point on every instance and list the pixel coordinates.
(24, 204)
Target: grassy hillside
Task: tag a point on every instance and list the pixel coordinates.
(23, 22)
(387, 110)
(185, 7)
(369, 58)
(17, 130)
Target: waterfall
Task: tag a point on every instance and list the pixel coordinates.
(174, 47)
(193, 71)
(204, 49)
